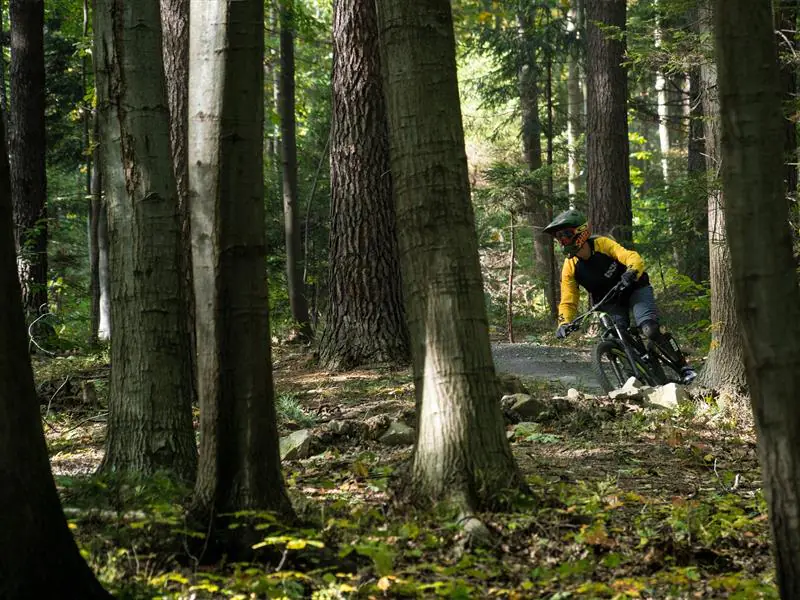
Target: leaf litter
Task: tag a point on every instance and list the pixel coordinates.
(625, 503)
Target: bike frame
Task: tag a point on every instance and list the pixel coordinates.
(633, 348)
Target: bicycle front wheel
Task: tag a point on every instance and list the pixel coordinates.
(612, 368)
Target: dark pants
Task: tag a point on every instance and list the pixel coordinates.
(643, 303)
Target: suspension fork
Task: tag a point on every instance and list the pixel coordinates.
(626, 346)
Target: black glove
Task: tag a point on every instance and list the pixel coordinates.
(628, 278)
(562, 331)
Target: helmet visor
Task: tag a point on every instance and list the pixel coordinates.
(565, 236)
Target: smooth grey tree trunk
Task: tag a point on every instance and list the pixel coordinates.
(291, 204)
(608, 177)
(38, 556)
(724, 368)
(764, 277)
(27, 151)
(461, 453)
(575, 99)
(239, 461)
(366, 322)
(150, 418)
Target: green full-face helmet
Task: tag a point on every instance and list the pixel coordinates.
(571, 231)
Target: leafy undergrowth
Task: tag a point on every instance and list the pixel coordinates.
(625, 504)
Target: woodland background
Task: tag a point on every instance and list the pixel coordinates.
(152, 212)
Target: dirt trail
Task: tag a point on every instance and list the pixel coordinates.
(569, 366)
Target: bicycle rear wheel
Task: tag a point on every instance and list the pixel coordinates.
(612, 368)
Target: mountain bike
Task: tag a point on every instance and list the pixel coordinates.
(622, 353)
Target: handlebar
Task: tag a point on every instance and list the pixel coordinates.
(575, 324)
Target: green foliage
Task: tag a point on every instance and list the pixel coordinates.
(291, 411)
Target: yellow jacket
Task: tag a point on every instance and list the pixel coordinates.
(597, 274)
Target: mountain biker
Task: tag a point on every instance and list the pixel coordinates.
(597, 263)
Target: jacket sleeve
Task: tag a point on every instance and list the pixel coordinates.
(629, 258)
(570, 294)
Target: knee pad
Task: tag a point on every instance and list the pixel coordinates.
(651, 330)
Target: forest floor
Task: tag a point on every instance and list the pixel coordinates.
(626, 502)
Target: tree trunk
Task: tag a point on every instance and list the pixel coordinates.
(693, 259)
(461, 453)
(512, 259)
(366, 320)
(764, 278)
(608, 182)
(95, 207)
(38, 556)
(662, 105)
(786, 20)
(535, 202)
(239, 461)
(175, 27)
(150, 418)
(574, 103)
(3, 74)
(291, 206)
(724, 368)
(27, 150)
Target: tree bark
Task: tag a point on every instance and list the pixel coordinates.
(175, 28)
(786, 21)
(608, 181)
(239, 461)
(95, 207)
(366, 319)
(150, 418)
(536, 205)
(27, 151)
(291, 206)
(461, 454)
(693, 255)
(764, 278)
(38, 556)
(724, 368)
(574, 102)
(512, 260)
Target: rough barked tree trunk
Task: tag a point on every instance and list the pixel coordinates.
(608, 180)
(27, 150)
(38, 556)
(239, 461)
(150, 418)
(786, 22)
(175, 28)
(461, 453)
(536, 205)
(724, 368)
(291, 204)
(764, 278)
(365, 321)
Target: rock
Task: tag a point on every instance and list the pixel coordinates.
(666, 396)
(632, 390)
(339, 427)
(529, 408)
(511, 434)
(508, 401)
(510, 384)
(573, 394)
(296, 445)
(376, 425)
(398, 434)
